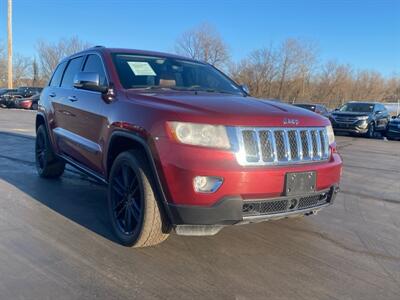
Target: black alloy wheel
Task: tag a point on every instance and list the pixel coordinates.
(48, 165)
(136, 216)
(127, 199)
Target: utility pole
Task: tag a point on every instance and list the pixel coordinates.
(9, 48)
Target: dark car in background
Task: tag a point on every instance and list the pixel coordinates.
(8, 98)
(28, 103)
(12, 98)
(5, 94)
(317, 108)
(28, 91)
(364, 118)
(393, 130)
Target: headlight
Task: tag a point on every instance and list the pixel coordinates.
(331, 134)
(363, 118)
(214, 136)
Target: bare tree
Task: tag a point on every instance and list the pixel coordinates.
(333, 84)
(50, 54)
(22, 70)
(258, 71)
(203, 43)
(3, 65)
(35, 73)
(297, 60)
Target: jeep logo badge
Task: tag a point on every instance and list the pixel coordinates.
(287, 121)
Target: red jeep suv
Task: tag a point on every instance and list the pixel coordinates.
(180, 145)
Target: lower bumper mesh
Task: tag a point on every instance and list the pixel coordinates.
(285, 204)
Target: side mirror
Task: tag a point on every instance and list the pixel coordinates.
(336, 109)
(245, 89)
(89, 81)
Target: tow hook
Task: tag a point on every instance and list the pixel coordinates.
(313, 212)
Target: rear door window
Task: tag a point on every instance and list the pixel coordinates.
(73, 68)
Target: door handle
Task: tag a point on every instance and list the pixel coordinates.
(72, 99)
(52, 95)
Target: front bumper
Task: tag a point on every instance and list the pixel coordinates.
(359, 127)
(178, 164)
(235, 210)
(393, 132)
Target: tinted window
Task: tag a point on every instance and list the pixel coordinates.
(73, 68)
(56, 79)
(323, 109)
(358, 107)
(94, 64)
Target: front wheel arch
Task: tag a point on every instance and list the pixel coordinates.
(122, 141)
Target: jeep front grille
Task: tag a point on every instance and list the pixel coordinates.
(281, 146)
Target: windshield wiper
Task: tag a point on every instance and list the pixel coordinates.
(154, 87)
(197, 89)
(188, 89)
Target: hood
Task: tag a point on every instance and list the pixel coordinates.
(228, 109)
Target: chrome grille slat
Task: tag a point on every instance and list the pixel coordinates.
(286, 144)
(310, 145)
(299, 144)
(259, 146)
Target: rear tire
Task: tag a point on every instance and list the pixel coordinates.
(34, 106)
(135, 214)
(48, 165)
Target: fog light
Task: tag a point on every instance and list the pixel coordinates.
(207, 184)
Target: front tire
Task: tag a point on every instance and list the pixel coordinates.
(371, 130)
(47, 164)
(135, 214)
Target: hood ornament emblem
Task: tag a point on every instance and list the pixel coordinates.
(287, 121)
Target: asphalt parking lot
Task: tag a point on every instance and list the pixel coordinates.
(55, 240)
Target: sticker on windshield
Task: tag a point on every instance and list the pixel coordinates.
(141, 68)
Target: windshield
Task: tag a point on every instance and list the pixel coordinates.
(145, 72)
(357, 107)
